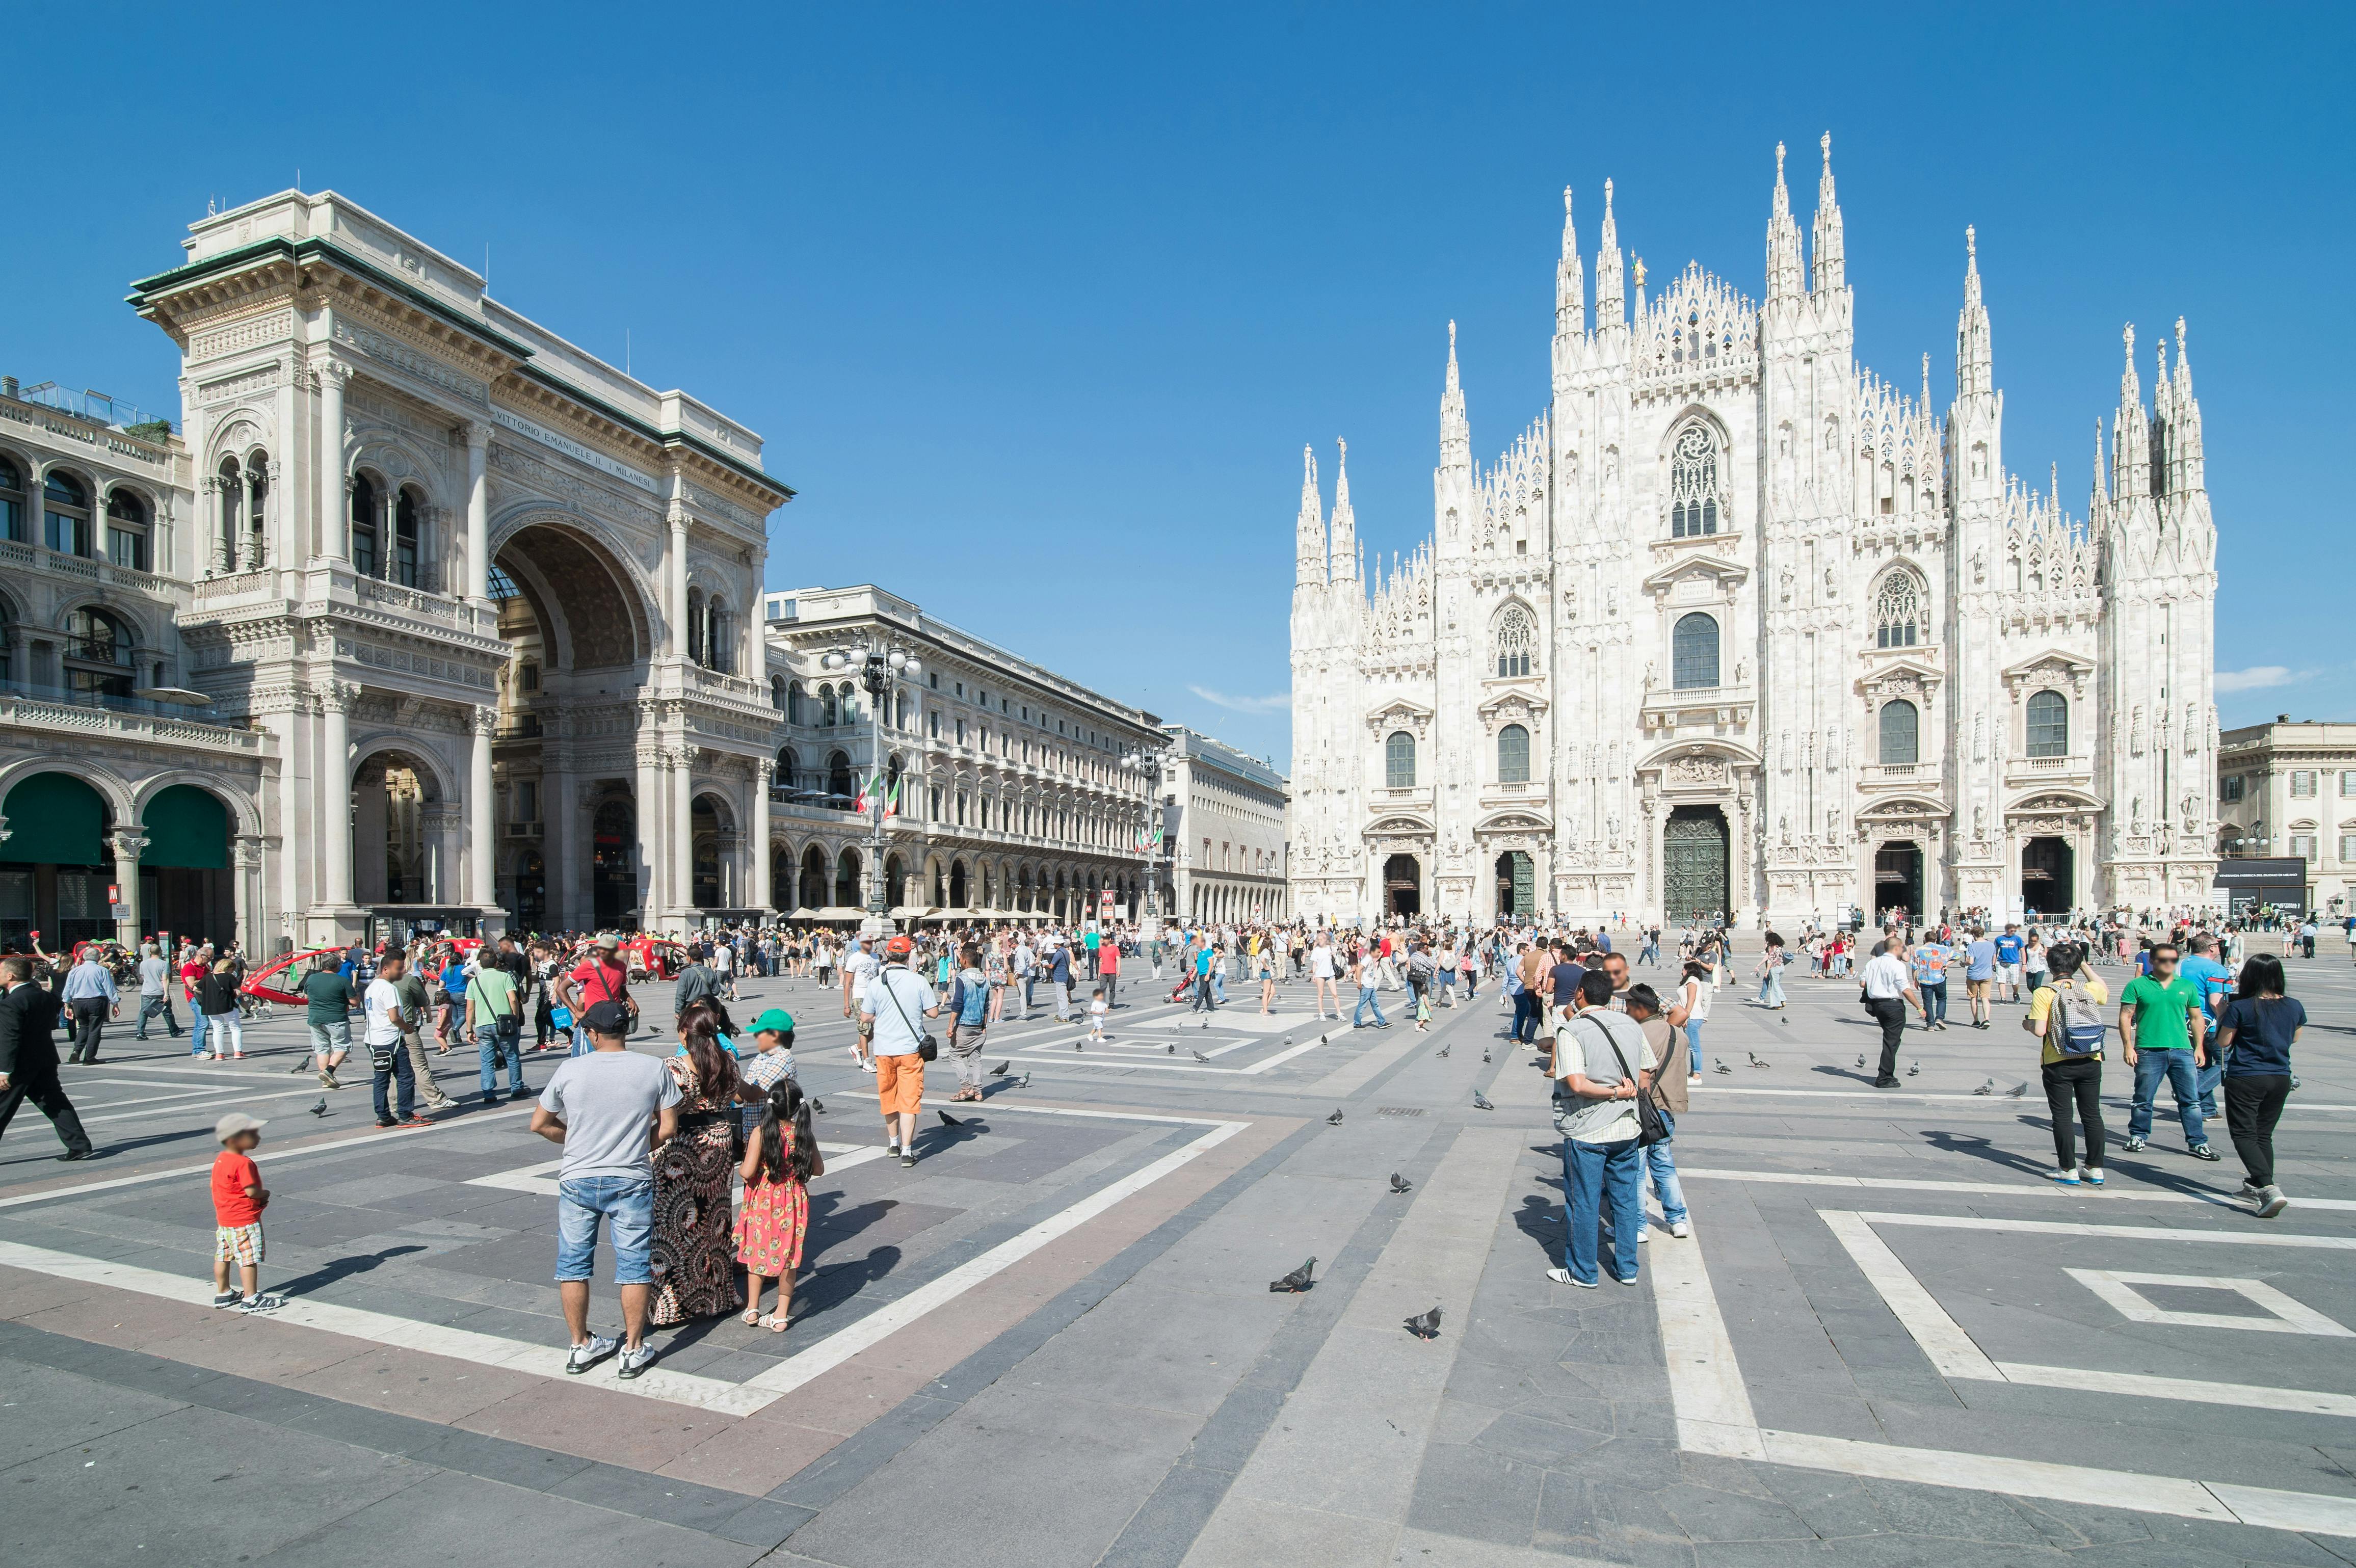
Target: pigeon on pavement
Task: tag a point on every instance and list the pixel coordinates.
(1001, 1070)
(1335, 1119)
(1860, 1059)
(1912, 1068)
(947, 1120)
(1425, 1326)
(321, 1108)
(2018, 1091)
(1478, 1104)
(1170, 1050)
(1198, 1056)
(818, 1106)
(1484, 1053)
(1754, 1059)
(1446, 1048)
(1722, 1067)
(1400, 1183)
(1987, 1088)
(1023, 1083)
(1299, 1280)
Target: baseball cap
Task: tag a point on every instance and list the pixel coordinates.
(607, 940)
(236, 1122)
(606, 1017)
(775, 1018)
(898, 947)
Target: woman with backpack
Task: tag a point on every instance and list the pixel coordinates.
(969, 998)
(2255, 1031)
(2066, 1014)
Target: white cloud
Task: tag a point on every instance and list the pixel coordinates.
(1279, 703)
(2254, 678)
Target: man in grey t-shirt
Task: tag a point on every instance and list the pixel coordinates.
(1602, 1063)
(155, 995)
(608, 1107)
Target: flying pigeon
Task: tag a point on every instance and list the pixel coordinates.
(1299, 1280)
(2018, 1091)
(1425, 1326)
(1198, 1056)
(1987, 1088)
(947, 1120)
(1001, 1070)
(1335, 1119)
(1400, 1183)
(1722, 1067)
(1478, 1104)
(321, 1108)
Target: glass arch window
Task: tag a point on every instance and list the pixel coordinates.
(1398, 760)
(65, 507)
(365, 556)
(2049, 725)
(97, 654)
(827, 711)
(1898, 613)
(1693, 652)
(1902, 734)
(1517, 637)
(1693, 484)
(405, 538)
(12, 503)
(126, 531)
(1513, 755)
(838, 773)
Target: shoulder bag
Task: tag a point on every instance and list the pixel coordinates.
(928, 1048)
(1650, 1128)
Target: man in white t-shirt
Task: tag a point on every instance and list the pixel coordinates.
(724, 966)
(859, 969)
(386, 1020)
(1889, 982)
(1320, 971)
(1026, 971)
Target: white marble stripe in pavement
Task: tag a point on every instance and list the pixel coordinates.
(2131, 1233)
(1710, 1421)
(2115, 1188)
(404, 1333)
(1997, 1101)
(1042, 1056)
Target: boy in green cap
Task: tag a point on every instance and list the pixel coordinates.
(772, 1032)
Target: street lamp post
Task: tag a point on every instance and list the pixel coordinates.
(880, 668)
(1151, 764)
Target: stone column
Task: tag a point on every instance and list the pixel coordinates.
(682, 839)
(763, 894)
(675, 588)
(127, 845)
(246, 855)
(652, 806)
(332, 795)
(249, 538)
(565, 850)
(479, 510)
(482, 826)
(334, 499)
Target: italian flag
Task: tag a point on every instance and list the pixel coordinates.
(874, 788)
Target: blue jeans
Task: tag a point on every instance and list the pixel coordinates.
(2209, 1077)
(1592, 1175)
(1526, 1017)
(1770, 988)
(149, 1006)
(629, 1203)
(1934, 1002)
(400, 1076)
(493, 1040)
(1693, 1041)
(1219, 984)
(1661, 1164)
(1365, 1000)
(2175, 1064)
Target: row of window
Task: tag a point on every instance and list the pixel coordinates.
(1901, 740)
(839, 787)
(100, 658)
(71, 524)
(2303, 783)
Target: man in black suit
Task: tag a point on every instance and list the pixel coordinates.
(29, 1061)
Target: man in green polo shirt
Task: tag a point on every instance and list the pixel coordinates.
(2165, 1031)
(495, 1018)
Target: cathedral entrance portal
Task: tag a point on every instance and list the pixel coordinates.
(1402, 886)
(1694, 866)
(1517, 884)
(2048, 876)
(1898, 881)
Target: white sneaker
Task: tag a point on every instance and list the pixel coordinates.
(586, 1356)
(636, 1361)
(1643, 1235)
(1681, 1229)
(1563, 1277)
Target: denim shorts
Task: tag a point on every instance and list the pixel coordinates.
(629, 1203)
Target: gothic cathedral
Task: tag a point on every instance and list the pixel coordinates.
(1737, 629)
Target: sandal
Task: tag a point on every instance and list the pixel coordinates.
(753, 1318)
(773, 1324)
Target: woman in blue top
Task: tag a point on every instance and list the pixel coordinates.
(2255, 1032)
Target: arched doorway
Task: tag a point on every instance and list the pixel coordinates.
(2048, 877)
(896, 891)
(709, 888)
(1518, 887)
(1898, 881)
(55, 863)
(614, 867)
(957, 885)
(1694, 866)
(530, 890)
(846, 881)
(811, 894)
(400, 853)
(781, 877)
(1402, 886)
(185, 883)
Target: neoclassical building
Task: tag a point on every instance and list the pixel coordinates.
(424, 617)
(1735, 627)
(1225, 826)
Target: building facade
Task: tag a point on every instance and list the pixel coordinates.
(1011, 787)
(455, 608)
(1736, 628)
(2287, 791)
(1224, 821)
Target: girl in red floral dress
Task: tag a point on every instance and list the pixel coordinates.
(780, 1158)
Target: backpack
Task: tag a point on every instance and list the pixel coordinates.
(2076, 1025)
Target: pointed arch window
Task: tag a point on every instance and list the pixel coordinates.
(1902, 734)
(1898, 613)
(1518, 637)
(1513, 755)
(1398, 760)
(1694, 504)
(2048, 724)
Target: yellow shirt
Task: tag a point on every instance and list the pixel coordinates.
(2040, 1008)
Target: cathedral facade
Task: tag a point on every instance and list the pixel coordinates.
(1737, 629)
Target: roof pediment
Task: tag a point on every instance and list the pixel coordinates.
(1714, 571)
(1399, 714)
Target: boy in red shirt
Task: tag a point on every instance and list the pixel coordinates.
(239, 1198)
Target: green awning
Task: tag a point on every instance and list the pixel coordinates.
(186, 827)
(54, 819)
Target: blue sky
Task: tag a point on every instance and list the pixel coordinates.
(1037, 305)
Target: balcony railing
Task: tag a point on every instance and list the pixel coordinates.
(35, 692)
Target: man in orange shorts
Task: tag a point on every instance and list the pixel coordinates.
(897, 1004)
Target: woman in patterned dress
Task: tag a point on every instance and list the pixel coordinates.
(693, 1277)
(780, 1158)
